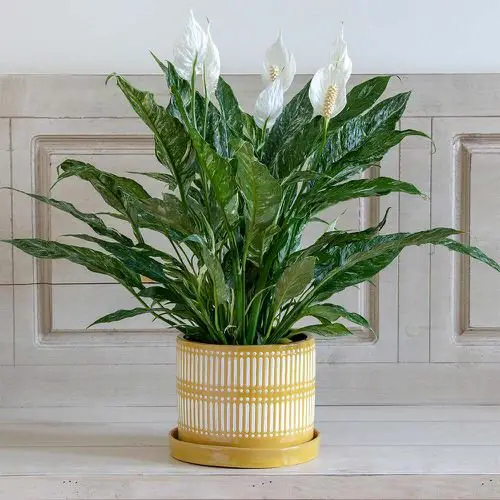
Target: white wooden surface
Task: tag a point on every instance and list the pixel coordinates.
(370, 452)
(414, 262)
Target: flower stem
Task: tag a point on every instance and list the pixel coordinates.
(193, 92)
(207, 101)
(325, 130)
(263, 137)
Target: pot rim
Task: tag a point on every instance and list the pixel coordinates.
(309, 340)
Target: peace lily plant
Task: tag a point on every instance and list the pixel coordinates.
(239, 191)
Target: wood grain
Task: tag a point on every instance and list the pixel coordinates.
(367, 453)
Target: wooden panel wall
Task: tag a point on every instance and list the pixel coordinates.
(436, 315)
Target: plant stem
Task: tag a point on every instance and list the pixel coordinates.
(264, 132)
(193, 92)
(176, 248)
(271, 320)
(137, 234)
(207, 101)
(247, 335)
(325, 130)
(144, 303)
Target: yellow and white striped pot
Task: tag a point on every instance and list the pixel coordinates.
(246, 396)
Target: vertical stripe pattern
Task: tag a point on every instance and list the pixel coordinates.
(261, 396)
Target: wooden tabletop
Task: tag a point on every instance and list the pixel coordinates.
(366, 452)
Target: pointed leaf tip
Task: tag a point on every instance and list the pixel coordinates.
(111, 75)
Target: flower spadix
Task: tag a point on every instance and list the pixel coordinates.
(279, 64)
(327, 91)
(190, 48)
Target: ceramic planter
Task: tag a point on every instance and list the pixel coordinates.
(245, 406)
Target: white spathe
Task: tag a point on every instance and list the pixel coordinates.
(190, 47)
(279, 64)
(211, 65)
(269, 104)
(340, 58)
(327, 91)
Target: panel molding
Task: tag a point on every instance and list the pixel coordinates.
(36, 341)
(97, 145)
(453, 338)
(464, 147)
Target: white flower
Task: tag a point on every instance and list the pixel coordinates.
(190, 46)
(279, 64)
(340, 58)
(327, 92)
(269, 104)
(211, 65)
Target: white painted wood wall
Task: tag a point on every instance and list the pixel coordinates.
(436, 316)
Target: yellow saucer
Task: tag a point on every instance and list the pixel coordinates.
(245, 458)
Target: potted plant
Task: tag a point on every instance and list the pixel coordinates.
(238, 192)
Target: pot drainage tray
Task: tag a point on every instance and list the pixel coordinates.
(247, 458)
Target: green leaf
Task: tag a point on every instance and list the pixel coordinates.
(295, 115)
(119, 315)
(294, 152)
(359, 188)
(240, 122)
(332, 312)
(294, 280)
(173, 78)
(94, 261)
(168, 179)
(114, 190)
(218, 170)
(159, 294)
(232, 210)
(131, 258)
(470, 251)
(362, 188)
(345, 131)
(172, 143)
(383, 116)
(328, 242)
(216, 273)
(357, 262)
(370, 153)
(250, 128)
(362, 97)
(352, 134)
(216, 132)
(94, 222)
(260, 190)
(326, 330)
(166, 215)
(229, 106)
(262, 241)
(176, 293)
